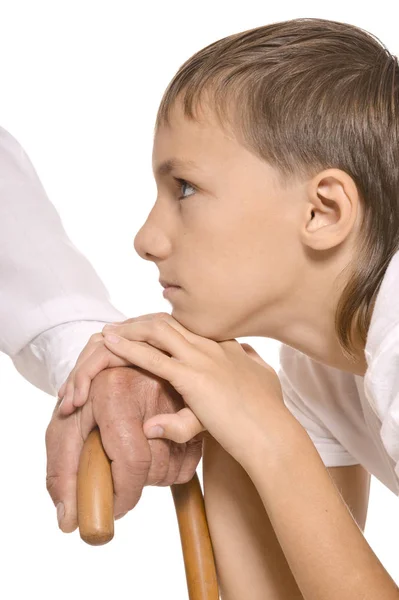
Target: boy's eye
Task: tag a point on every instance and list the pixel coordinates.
(181, 184)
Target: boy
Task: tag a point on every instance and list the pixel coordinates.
(287, 139)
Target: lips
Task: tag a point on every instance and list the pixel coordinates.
(166, 284)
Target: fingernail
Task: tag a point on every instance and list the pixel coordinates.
(60, 512)
(114, 339)
(155, 431)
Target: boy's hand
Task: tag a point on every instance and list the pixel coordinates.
(94, 358)
(232, 396)
(184, 425)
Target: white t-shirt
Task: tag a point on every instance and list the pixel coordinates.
(353, 419)
(51, 298)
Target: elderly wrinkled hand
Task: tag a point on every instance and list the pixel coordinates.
(119, 401)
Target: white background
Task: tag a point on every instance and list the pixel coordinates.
(80, 86)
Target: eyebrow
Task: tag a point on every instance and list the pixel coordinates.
(173, 163)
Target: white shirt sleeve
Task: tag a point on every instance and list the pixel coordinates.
(51, 298)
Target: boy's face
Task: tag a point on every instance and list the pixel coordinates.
(231, 242)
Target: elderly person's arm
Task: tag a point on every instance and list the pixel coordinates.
(51, 298)
(51, 302)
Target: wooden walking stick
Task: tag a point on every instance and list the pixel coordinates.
(96, 517)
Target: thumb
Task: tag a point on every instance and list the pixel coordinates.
(179, 427)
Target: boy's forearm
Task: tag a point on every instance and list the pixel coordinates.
(249, 560)
(326, 551)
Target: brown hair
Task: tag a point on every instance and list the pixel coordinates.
(310, 94)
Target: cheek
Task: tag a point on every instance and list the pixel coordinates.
(233, 271)
(229, 258)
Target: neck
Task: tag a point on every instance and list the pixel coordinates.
(311, 329)
(321, 344)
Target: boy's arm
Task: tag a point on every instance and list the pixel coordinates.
(323, 545)
(247, 553)
(248, 556)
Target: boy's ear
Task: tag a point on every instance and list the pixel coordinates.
(332, 209)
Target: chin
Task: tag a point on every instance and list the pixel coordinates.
(204, 325)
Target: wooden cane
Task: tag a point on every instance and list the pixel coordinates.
(95, 502)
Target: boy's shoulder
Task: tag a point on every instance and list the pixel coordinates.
(309, 378)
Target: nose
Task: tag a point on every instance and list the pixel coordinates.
(152, 241)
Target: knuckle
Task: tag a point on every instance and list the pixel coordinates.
(163, 315)
(137, 469)
(174, 466)
(118, 377)
(80, 377)
(128, 488)
(51, 485)
(160, 325)
(181, 433)
(182, 436)
(154, 358)
(71, 383)
(99, 351)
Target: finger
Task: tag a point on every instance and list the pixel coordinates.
(134, 319)
(61, 391)
(166, 400)
(192, 456)
(121, 427)
(177, 454)
(152, 359)
(66, 407)
(172, 462)
(99, 360)
(162, 335)
(160, 460)
(179, 427)
(146, 317)
(146, 322)
(93, 343)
